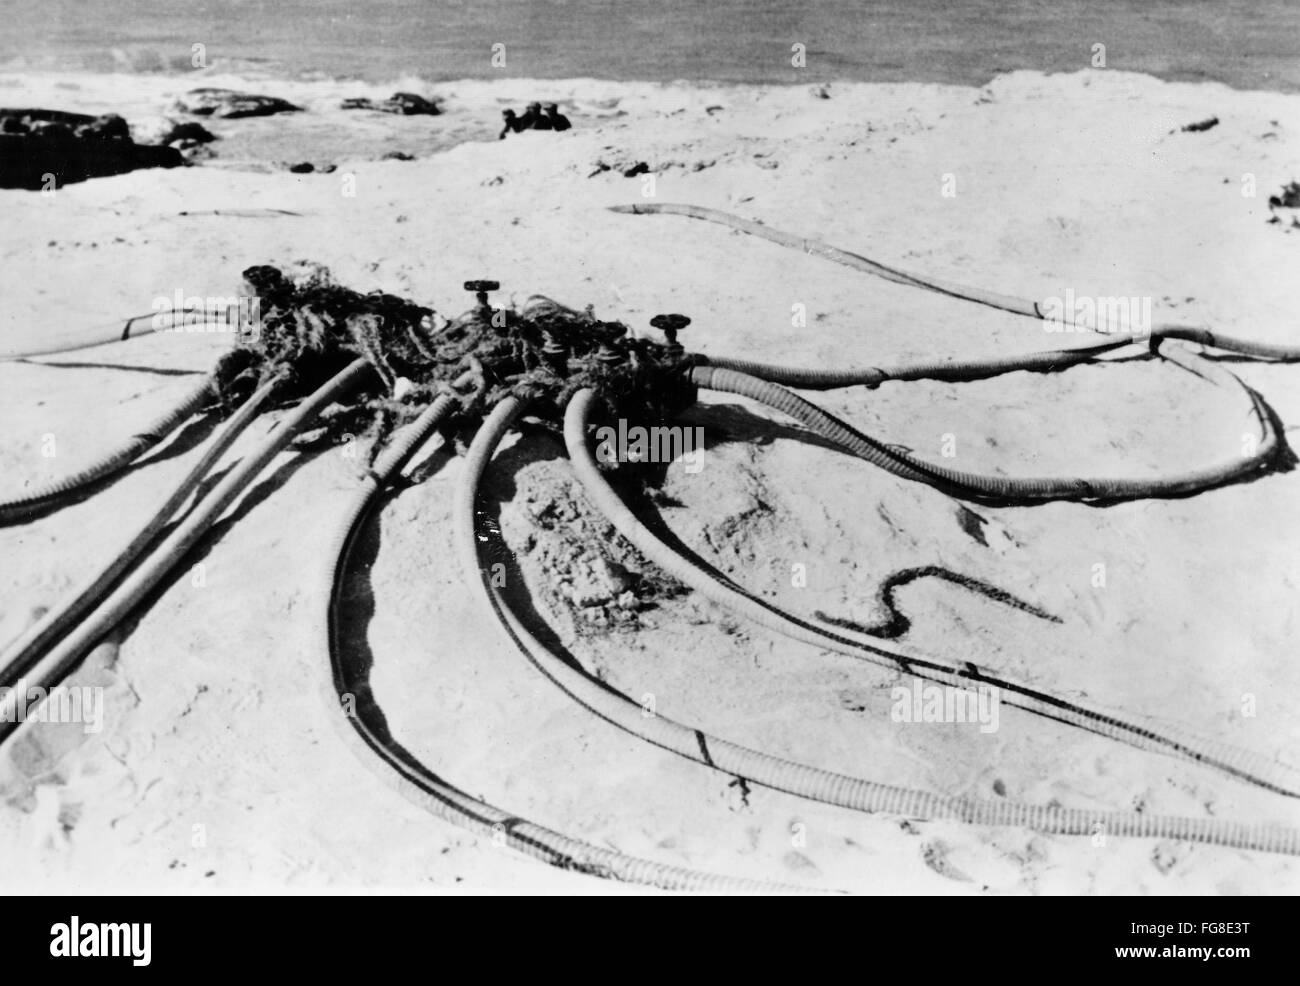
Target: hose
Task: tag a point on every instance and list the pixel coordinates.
(113, 461)
(58, 661)
(950, 370)
(809, 378)
(1245, 765)
(1005, 302)
(993, 299)
(739, 376)
(419, 785)
(112, 332)
(968, 484)
(18, 655)
(803, 780)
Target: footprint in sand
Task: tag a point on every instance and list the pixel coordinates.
(49, 769)
(935, 854)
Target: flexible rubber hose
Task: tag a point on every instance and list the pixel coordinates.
(419, 785)
(1233, 344)
(19, 654)
(60, 659)
(115, 460)
(1243, 764)
(993, 299)
(969, 484)
(112, 332)
(799, 779)
(954, 481)
(811, 378)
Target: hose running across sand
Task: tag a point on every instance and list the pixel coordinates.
(115, 460)
(812, 378)
(412, 780)
(970, 484)
(19, 654)
(58, 661)
(993, 299)
(760, 382)
(777, 773)
(102, 335)
(1243, 764)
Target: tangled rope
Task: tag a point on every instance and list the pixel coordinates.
(543, 353)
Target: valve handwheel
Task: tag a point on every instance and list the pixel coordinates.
(480, 289)
(670, 324)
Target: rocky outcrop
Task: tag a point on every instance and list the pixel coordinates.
(231, 105)
(47, 149)
(401, 103)
(190, 131)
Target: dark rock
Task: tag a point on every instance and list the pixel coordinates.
(60, 132)
(1195, 128)
(195, 132)
(401, 103)
(302, 168)
(231, 105)
(398, 156)
(192, 150)
(27, 118)
(107, 127)
(1289, 199)
(415, 105)
(40, 149)
(640, 168)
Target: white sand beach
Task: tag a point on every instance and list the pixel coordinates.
(216, 767)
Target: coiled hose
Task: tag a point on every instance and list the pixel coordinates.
(1243, 764)
(412, 780)
(20, 653)
(969, 484)
(59, 660)
(116, 459)
(795, 778)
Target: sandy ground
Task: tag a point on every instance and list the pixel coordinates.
(217, 767)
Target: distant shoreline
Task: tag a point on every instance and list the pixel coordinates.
(326, 134)
(260, 70)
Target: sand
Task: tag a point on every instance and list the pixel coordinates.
(217, 767)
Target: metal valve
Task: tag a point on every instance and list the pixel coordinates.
(554, 353)
(611, 333)
(670, 324)
(481, 289)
